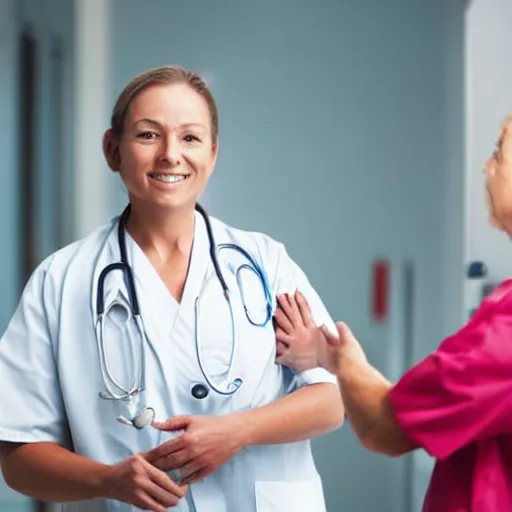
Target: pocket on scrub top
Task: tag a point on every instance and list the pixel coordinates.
(284, 496)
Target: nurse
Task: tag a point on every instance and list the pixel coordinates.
(162, 314)
(456, 403)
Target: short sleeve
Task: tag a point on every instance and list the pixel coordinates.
(30, 401)
(463, 391)
(290, 277)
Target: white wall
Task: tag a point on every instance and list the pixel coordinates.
(489, 100)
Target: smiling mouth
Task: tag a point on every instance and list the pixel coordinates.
(169, 178)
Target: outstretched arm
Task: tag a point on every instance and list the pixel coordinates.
(364, 391)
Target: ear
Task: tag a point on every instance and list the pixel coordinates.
(111, 150)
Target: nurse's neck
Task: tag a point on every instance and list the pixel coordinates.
(163, 235)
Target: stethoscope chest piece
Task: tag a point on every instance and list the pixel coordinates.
(142, 420)
(199, 391)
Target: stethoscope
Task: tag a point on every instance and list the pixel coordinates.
(113, 389)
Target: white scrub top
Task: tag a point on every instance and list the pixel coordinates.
(51, 377)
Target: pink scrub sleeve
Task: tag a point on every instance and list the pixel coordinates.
(463, 391)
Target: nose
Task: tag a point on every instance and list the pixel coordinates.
(170, 150)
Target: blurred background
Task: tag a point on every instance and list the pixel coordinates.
(354, 132)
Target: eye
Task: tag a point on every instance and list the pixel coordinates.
(147, 135)
(191, 138)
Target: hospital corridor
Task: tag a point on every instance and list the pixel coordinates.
(341, 155)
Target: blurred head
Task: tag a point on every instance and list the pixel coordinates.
(498, 180)
(163, 138)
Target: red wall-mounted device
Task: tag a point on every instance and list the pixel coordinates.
(380, 290)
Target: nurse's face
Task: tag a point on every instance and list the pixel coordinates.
(498, 179)
(166, 153)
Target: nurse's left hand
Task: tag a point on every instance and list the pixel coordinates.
(205, 445)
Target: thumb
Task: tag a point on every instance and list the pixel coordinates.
(332, 339)
(172, 424)
(344, 332)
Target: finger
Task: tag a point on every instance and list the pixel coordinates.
(344, 331)
(173, 461)
(146, 502)
(163, 481)
(178, 459)
(282, 320)
(172, 424)
(165, 449)
(293, 363)
(305, 310)
(283, 342)
(160, 496)
(189, 469)
(289, 306)
(281, 349)
(345, 334)
(283, 301)
(283, 337)
(198, 476)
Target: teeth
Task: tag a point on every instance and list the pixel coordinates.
(168, 178)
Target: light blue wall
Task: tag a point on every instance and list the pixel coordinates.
(341, 135)
(454, 168)
(9, 190)
(8, 166)
(48, 18)
(55, 22)
(337, 120)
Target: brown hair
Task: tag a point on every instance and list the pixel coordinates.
(162, 75)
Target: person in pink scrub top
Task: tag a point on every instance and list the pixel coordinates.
(456, 403)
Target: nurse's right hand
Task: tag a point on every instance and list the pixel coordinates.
(136, 482)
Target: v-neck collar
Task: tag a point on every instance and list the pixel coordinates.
(155, 296)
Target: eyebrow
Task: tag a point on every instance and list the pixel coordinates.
(147, 120)
(153, 122)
